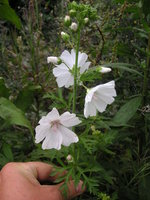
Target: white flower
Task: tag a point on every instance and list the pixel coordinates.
(74, 26)
(98, 97)
(52, 59)
(104, 70)
(54, 130)
(62, 72)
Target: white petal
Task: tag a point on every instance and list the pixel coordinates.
(44, 120)
(89, 95)
(41, 132)
(53, 115)
(64, 79)
(67, 59)
(58, 71)
(89, 109)
(108, 99)
(69, 82)
(68, 136)
(53, 140)
(84, 67)
(73, 55)
(62, 66)
(100, 105)
(67, 119)
(82, 58)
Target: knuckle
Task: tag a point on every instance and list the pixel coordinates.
(9, 166)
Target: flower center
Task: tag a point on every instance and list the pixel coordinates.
(55, 124)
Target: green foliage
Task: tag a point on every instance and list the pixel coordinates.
(7, 13)
(13, 115)
(127, 111)
(4, 91)
(112, 155)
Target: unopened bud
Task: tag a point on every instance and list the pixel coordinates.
(74, 26)
(104, 70)
(86, 20)
(72, 13)
(67, 20)
(65, 36)
(54, 60)
(69, 158)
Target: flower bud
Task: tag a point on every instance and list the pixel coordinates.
(74, 26)
(86, 20)
(104, 70)
(67, 20)
(54, 60)
(69, 158)
(72, 13)
(65, 36)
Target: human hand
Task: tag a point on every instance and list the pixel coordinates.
(21, 181)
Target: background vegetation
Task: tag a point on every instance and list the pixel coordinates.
(118, 142)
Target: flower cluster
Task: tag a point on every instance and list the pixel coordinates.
(54, 129)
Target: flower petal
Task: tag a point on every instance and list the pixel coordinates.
(82, 58)
(64, 79)
(53, 140)
(84, 67)
(41, 132)
(57, 71)
(68, 136)
(67, 119)
(67, 59)
(100, 105)
(53, 115)
(89, 109)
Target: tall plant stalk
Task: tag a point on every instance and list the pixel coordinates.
(75, 72)
(146, 74)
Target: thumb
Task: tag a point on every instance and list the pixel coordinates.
(72, 190)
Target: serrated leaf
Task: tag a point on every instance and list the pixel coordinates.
(127, 111)
(13, 115)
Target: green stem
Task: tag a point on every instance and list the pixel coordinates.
(146, 73)
(75, 72)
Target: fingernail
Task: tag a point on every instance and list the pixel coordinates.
(79, 187)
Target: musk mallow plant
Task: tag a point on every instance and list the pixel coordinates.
(55, 130)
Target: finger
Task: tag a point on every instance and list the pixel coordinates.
(72, 190)
(42, 171)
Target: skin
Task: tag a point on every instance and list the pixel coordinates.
(21, 181)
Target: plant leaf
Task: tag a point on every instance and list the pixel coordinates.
(127, 111)
(7, 13)
(13, 115)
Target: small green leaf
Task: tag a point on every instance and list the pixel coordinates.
(127, 111)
